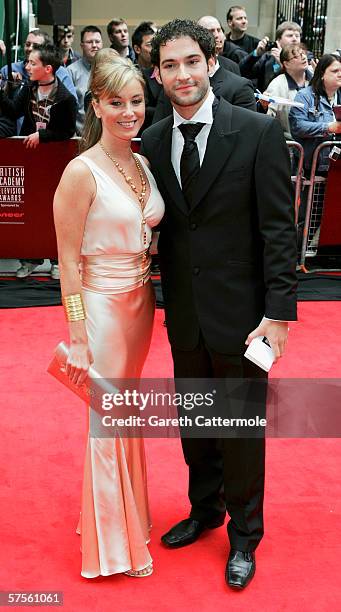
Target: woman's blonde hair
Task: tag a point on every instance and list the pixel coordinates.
(104, 55)
(109, 74)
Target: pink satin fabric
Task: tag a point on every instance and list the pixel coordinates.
(119, 301)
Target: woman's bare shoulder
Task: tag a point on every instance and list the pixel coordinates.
(77, 181)
(77, 168)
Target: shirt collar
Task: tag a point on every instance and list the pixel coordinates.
(292, 83)
(216, 68)
(203, 115)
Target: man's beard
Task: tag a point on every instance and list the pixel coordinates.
(194, 98)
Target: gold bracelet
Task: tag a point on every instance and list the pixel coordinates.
(74, 307)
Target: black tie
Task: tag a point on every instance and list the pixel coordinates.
(190, 162)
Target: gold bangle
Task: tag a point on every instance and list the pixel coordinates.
(74, 307)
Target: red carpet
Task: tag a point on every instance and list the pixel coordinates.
(43, 430)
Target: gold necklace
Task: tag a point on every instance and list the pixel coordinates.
(128, 179)
(130, 182)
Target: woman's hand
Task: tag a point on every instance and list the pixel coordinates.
(334, 127)
(78, 363)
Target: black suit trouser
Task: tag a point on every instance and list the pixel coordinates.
(226, 473)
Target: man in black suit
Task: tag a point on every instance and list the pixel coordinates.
(228, 64)
(227, 256)
(152, 93)
(214, 26)
(237, 91)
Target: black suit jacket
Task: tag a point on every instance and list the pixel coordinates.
(231, 258)
(152, 86)
(233, 52)
(225, 84)
(228, 64)
(153, 89)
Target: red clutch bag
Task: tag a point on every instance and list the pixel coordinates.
(93, 387)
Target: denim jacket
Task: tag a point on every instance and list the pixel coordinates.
(309, 126)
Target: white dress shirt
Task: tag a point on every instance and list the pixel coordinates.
(203, 115)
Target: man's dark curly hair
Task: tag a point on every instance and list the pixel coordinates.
(178, 28)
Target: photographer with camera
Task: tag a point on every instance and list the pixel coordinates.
(263, 64)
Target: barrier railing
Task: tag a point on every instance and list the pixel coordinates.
(315, 204)
(297, 178)
(28, 179)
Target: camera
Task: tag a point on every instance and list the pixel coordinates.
(270, 45)
(335, 153)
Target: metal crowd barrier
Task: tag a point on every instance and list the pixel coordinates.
(297, 178)
(26, 196)
(315, 205)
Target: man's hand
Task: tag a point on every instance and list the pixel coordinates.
(276, 52)
(264, 104)
(261, 47)
(275, 331)
(17, 76)
(2, 47)
(32, 141)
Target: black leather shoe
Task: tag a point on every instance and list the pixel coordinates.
(240, 569)
(188, 531)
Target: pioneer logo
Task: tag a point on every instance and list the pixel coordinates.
(9, 215)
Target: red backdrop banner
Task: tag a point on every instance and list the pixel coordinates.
(330, 234)
(28, 180)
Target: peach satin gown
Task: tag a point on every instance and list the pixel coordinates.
(119, 301)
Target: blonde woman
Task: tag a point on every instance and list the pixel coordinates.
(105, 206)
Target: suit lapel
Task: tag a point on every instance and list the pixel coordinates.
(220, 144)
(164, 167)
(216, 82)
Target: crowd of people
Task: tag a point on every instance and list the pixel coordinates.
(243, 64)
(220, 171)
(257, 60)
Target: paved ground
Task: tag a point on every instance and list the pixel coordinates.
(8, 267)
